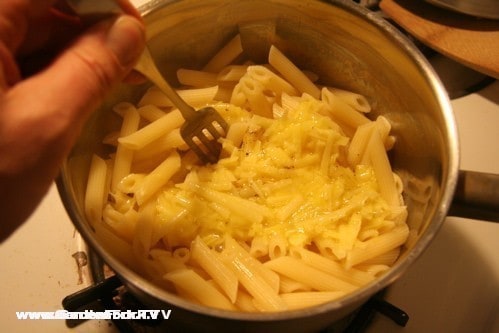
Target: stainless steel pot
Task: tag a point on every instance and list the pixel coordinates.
(348, 47)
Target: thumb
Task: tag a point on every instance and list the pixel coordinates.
(86, 71)
(62, 96)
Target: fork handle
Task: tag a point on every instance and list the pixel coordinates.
(103, 8)
(147, 67)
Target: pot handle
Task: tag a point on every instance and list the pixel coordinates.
(476, 196)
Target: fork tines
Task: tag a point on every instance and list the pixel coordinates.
(203, 138)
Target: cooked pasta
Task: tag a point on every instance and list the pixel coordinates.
(220, 273)
(292, 73)
(198, 288)
(302, 207)
(357, 101)
(198, 79)
(95, 195)
(124, 156)
(225, 55)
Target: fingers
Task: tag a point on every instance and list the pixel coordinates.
(15, 17)
(9, 72)
(89, 68)
(35, 30)
(41, 117)
(51, 27)
(62, 96)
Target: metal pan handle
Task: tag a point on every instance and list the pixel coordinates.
(476, 196)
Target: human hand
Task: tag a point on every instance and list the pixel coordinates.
(44, 104)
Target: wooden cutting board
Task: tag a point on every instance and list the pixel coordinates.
(471, 41)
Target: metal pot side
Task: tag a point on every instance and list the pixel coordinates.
(349, 47)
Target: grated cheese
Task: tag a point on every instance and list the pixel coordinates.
(285, 177)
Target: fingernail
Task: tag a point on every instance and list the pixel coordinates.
(126, 38)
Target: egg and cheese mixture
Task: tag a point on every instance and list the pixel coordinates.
(285, 178)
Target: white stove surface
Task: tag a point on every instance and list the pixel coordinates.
(453, 287)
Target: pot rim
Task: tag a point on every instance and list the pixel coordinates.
(449, 181)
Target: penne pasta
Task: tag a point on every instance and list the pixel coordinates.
(123, 223)
(289, 103)
(150, 112)
(232, 73)
(358, 145)
(299, 300)
(292, 74)
(118, 247)
(356, 101)
(266, 299)
(124, 155)
(287, 285)
(172, 140)
(259, 247)
(314, 278)
(244, 302)
(209, 261)
(387, 258)
(157, 178)
(95, 194)
(225, 55)
(375, 269)
(377, 246)
(143, 238)
(167, 261)
(332, 267)
(182, 254)
(194, 285)
(224, 91)
(342, 111)
(196, 79)
(278, 246)
(234, 249)
(383, 170)
(254, 94)
(243, 208)
(195, 97)
(111, 138)
(301, 208)
(123, 107)
(152, 131)
(271, 81)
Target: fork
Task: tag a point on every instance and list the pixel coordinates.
(202, 128)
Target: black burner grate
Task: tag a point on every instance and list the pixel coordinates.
(110, 294)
